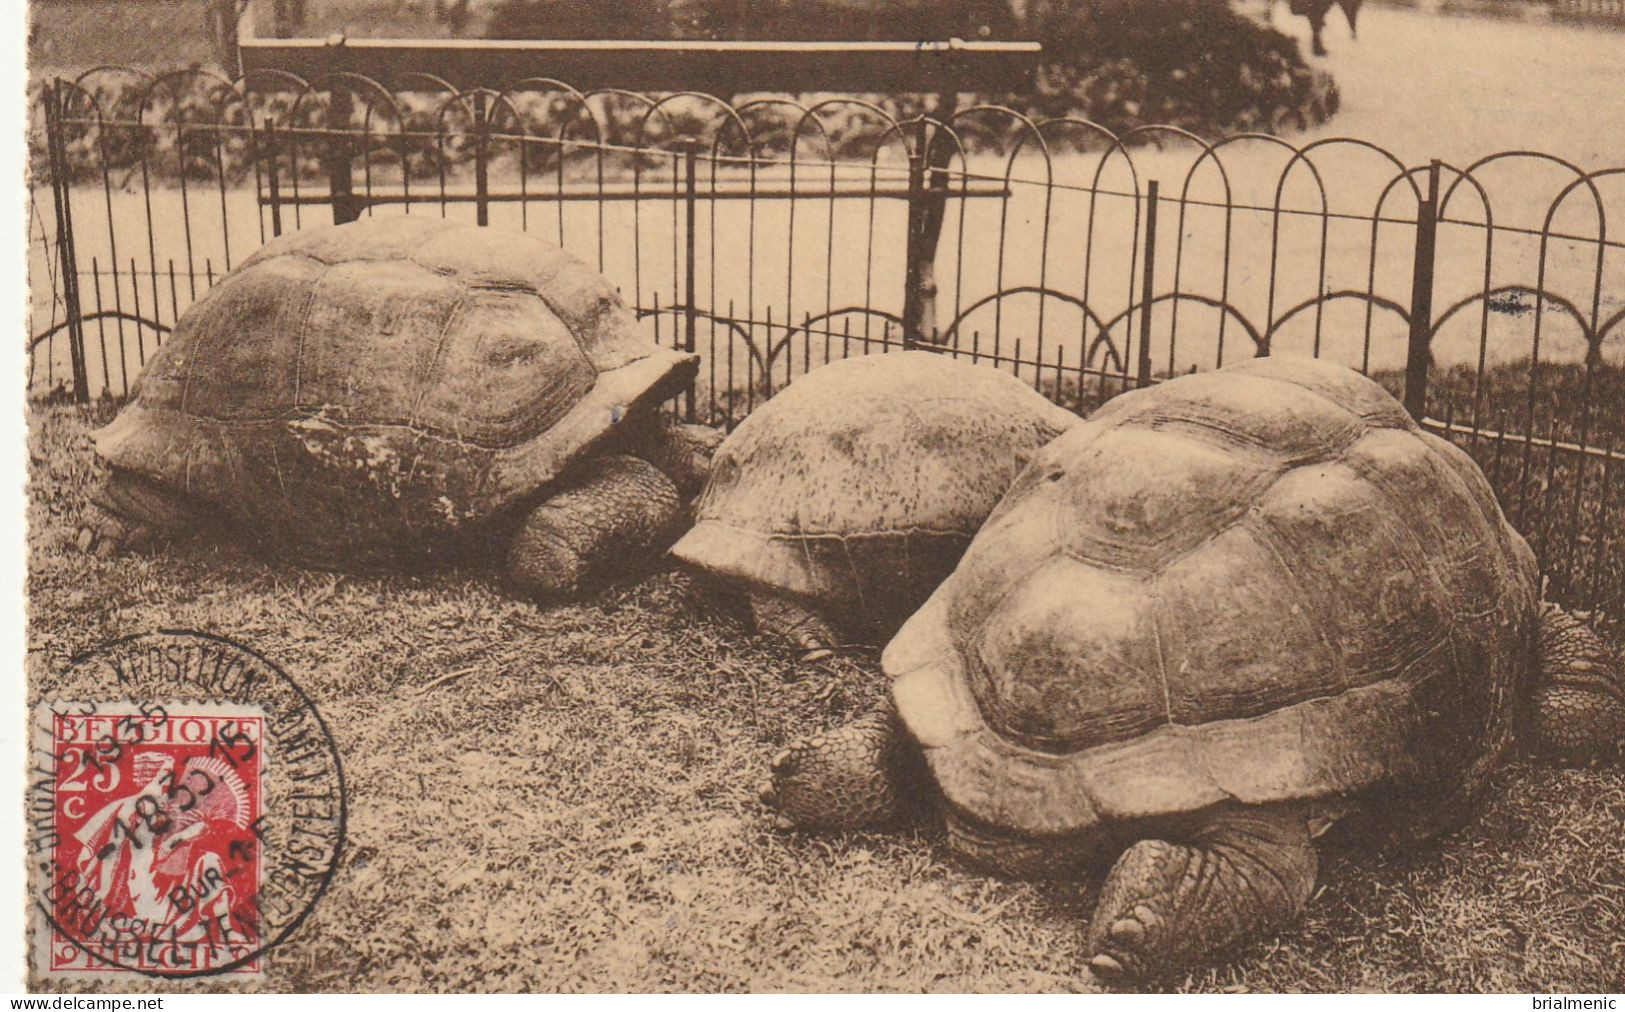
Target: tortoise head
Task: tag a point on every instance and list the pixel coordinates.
(1577, 706)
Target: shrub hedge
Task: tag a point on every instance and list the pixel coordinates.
(1121, 64)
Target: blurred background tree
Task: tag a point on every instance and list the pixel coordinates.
(288, 16)
(1199, 64)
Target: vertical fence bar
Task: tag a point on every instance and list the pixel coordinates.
(140, 332)
(913, 295)
(936, 157)
(67, 260)
(690, 227)
(482, 160)
(1148, 281)
(101, 331)
(340, 186)
(273, 177)
(1419, 354)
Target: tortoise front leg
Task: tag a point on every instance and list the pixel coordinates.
(785, 617)
(1577, 709)
(131, 513)
(863, 775)
(1230, 875)
(619, 513)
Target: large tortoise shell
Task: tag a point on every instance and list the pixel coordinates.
(858, 487)
(1257, 584)
(357, 388)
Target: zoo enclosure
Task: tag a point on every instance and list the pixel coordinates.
(770, 235)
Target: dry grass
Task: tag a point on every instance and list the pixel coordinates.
(575, 811)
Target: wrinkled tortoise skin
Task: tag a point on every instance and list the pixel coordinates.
(357, 391)
(579, 538)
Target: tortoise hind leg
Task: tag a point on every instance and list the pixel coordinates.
(1577, 711)
(618, 514)
(809, 631)
(863, 775)
(131, 513)
(1234, 874)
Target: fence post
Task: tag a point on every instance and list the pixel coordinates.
(927, 208)
(272, 177)
(913, 293)
(482, 160)
(1419, 354)
(690, 228)
(66, 257)
(340, 186)
(1148, 282)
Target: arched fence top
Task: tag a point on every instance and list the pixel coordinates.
(768, 233)
(108, 92)
(41, 337)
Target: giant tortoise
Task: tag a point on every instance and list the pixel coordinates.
(1224, 613)
(840, 504)
(401, 387)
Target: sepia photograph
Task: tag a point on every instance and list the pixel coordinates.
(822, 496)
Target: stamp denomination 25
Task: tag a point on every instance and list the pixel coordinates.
(187, 810)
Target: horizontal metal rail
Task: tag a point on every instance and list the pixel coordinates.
(663, 65)
(618, 194)
(1457, 428)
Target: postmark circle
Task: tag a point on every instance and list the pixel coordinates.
(186, 809)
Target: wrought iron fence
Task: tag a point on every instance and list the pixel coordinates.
(1604, 12)
(772, 235)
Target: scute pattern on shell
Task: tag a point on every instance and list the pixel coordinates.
(858, 487)
(352, 391)
(1259, 584)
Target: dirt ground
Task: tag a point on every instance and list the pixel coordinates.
(564, 800)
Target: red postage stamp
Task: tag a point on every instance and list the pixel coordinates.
(155, 863)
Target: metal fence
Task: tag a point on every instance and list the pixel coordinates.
(771, 235)
(1605, 12)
